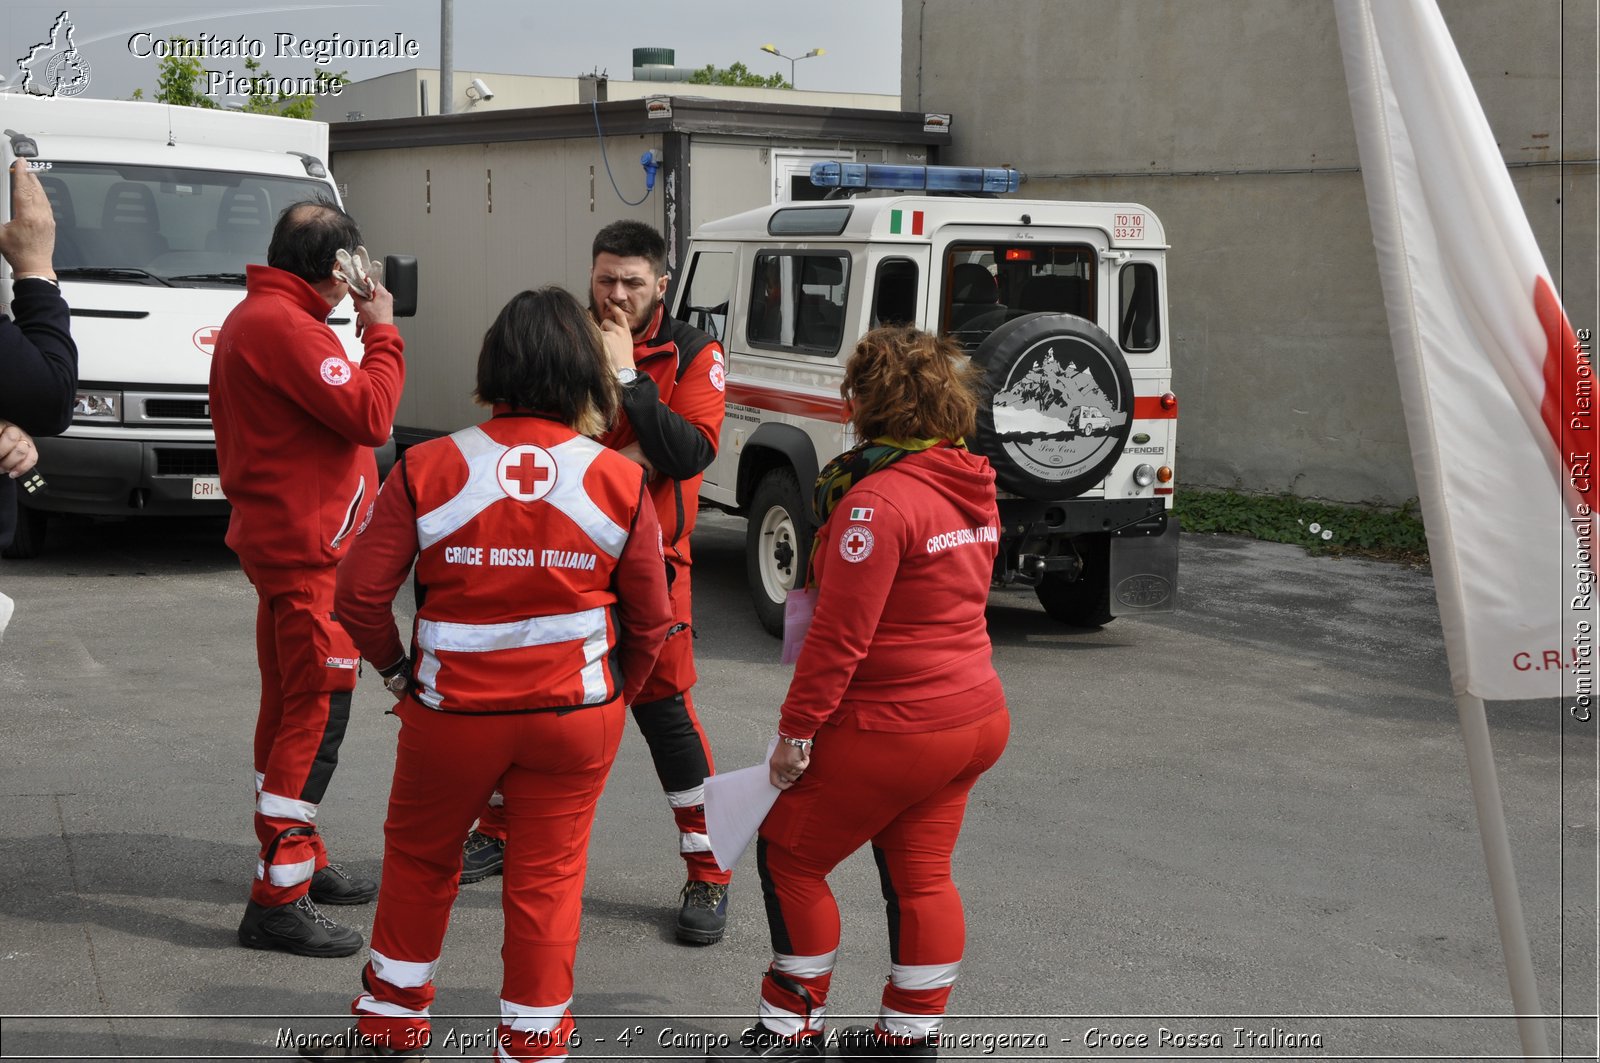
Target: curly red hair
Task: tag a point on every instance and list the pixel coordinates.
(904, 383)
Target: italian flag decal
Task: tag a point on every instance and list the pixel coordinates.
(897, 219)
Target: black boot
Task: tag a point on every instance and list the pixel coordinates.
(482, 855)
(300, 928)
(702, 913)
(334, 885)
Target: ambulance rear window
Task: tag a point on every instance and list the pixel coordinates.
(988, 284)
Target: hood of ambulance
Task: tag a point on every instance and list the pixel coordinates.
(139, 334)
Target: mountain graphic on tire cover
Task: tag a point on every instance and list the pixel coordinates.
(1041, 404)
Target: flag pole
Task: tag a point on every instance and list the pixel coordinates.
(1502, 876)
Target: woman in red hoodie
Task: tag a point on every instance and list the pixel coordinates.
(895, 708)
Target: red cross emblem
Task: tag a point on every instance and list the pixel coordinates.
(856, 543)
(527, 473)
(205, 339)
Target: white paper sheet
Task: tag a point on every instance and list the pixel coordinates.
(736, 803)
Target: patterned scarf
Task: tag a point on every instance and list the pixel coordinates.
(853, 466)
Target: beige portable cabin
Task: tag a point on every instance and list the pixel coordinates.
(497, 202)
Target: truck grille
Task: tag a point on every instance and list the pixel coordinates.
(196, 461)
(177, 410)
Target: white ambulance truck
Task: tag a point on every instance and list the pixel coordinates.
(158, 209)
(1063, 304)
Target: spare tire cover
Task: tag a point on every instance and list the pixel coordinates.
(1056, 405)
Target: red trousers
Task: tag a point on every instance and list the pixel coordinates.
(551, 767)
(664, 711)
(308, 669)
(906, 794)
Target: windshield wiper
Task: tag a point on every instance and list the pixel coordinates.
(221, 278)
(131, 273)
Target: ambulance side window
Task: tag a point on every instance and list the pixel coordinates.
(797, 301)
(894, 299)
(706, 292)
(1138, 308)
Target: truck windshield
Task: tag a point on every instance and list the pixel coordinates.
(161, 225)
(986, 285)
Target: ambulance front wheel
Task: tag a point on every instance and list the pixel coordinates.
(777, 545)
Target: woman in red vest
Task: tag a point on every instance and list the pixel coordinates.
(542, 603)
(894, 710)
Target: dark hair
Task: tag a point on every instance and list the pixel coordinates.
(308, 236)
(543, 353)
(632, 239)
(907, 384)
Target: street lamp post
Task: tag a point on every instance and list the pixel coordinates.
(771, 49)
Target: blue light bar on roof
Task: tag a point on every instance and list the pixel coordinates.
(915, 178)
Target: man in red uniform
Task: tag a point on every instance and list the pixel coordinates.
(673, 379)
(296, 421)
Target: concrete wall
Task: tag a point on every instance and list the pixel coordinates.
(1231, 122)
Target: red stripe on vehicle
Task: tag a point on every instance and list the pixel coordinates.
(916, 223)
(1564, 366)
(1163, 491)
(1148, 407)
(762, 398)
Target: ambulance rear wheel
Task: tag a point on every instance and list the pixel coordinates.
(1085, 601)
(29, 537)
(777, 545)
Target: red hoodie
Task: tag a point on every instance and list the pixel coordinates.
(296, 420)
(899, 638)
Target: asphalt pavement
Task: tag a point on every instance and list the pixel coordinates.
(1241, 830)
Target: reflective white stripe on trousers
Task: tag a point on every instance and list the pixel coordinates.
(403, 974)
(367, 1005)
(588, 625)
(287, 874)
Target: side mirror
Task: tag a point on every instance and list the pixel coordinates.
(400, 277)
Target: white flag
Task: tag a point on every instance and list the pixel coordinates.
(1498, 390)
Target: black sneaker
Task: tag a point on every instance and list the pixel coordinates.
(758, 1041)
(482, 855)
(300, 928)
(703, 915)
(352, 1045)
(865, 1042)
(334, 885)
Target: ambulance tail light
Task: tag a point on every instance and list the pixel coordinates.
(1144, 475)
(885, 177)
(1164, 474)
(1169, 401)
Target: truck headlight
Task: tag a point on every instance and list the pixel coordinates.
(1144, 476)
(97, 407)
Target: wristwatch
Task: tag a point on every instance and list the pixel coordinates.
(627, 375)
(397, 677)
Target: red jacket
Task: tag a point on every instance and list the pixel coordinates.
(676, 422)
(296, 420)
(899, 637)
(538, 569)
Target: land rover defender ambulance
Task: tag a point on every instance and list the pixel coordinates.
(158, 209)
(1062, 304)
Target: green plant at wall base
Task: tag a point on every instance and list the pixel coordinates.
(1321, 527)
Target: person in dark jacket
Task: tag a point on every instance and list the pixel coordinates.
(38, 360)
(895, 709)
(672, 379)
